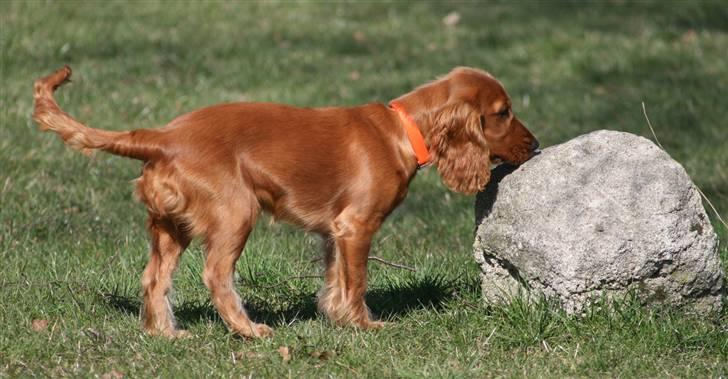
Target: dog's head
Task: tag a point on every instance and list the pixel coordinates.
(469, 124)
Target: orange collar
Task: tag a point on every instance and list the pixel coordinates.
(413, 134)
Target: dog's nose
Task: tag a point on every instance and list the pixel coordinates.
(534, 145)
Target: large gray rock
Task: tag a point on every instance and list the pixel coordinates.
(605, 213)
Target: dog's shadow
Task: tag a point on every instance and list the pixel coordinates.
(391, 302)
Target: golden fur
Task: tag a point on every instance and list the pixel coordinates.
(337, 172)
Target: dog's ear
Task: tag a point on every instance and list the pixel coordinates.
(459, 148)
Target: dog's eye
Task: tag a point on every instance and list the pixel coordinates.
(504, 113)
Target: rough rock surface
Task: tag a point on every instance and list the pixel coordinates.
(605, 213)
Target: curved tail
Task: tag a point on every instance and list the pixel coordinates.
(137, 144)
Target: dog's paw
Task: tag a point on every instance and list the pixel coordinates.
(373, 325)
(179, 333)
(170, 333)
(263, 330)
(254, 331)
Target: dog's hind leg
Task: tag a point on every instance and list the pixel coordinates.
(226, 237)
(168, 243)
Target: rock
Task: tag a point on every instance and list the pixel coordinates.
(602, 215)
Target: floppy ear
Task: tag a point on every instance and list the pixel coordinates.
(459, 148)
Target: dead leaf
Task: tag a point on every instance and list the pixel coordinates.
(285, 353)
(359, 36)
(355, 75)
(242, 355)
(113, 375)
(689, 36)
(323, 355)
(452, 19)
(39, 325)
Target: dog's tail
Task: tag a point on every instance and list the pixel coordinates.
(137, 144)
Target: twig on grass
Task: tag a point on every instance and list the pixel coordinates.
(380, 260)
(644, 111)
(73, 297)
(298, 277)
(396, 265)
(305, 277)
(282, 282)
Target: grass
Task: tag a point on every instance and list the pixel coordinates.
(72, 242)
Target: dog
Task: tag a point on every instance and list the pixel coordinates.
(338, 172)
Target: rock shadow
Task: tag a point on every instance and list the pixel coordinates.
(485, 199)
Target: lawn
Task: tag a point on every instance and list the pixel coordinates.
(72, 239)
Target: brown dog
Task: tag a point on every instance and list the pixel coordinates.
(334, 171)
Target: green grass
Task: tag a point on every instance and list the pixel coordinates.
(73, 246)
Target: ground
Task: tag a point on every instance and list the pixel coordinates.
(72, 240)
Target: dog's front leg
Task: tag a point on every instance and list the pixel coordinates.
(346, 257)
